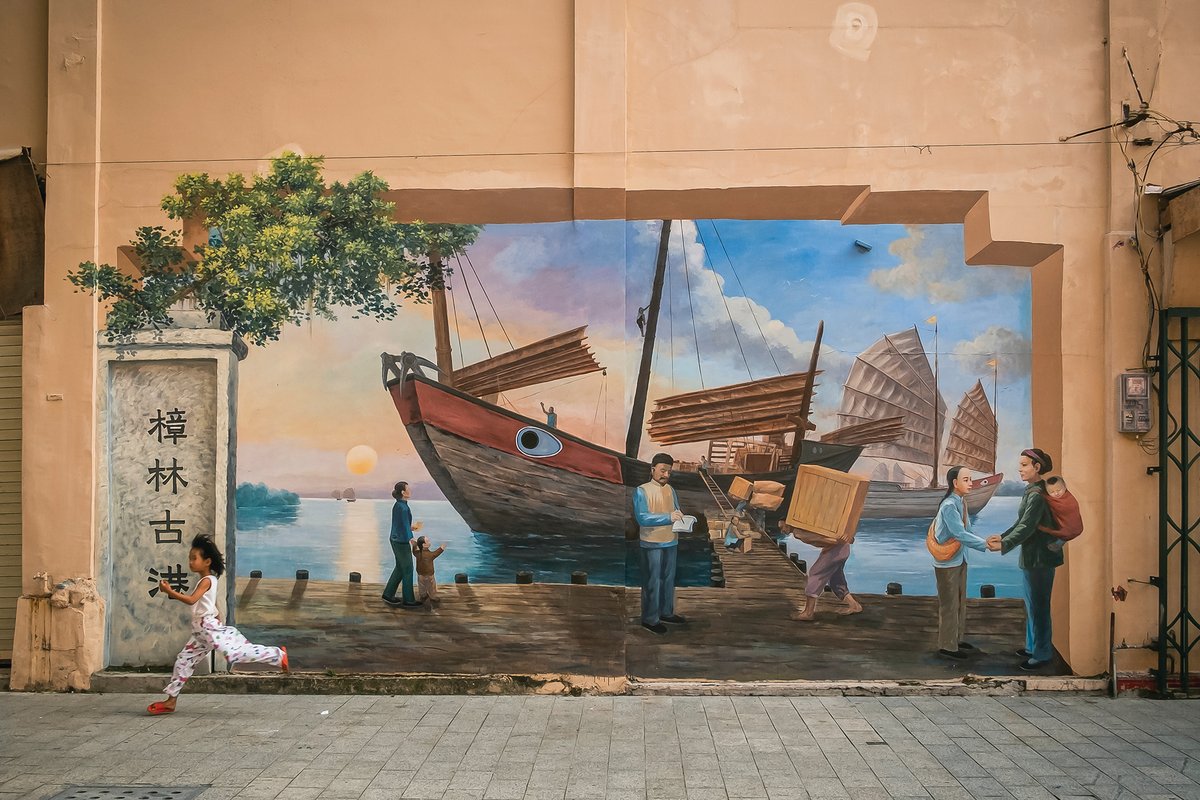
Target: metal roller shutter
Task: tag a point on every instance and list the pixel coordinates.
(10, 481)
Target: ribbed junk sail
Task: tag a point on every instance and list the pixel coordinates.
(891, 378)
(761, 407)
(972, 441)
(564, 355)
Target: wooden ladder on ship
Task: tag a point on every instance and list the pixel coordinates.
(725, 507)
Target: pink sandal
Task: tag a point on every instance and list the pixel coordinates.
(159, 707)
(283, 662)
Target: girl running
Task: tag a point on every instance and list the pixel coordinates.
(208, 633)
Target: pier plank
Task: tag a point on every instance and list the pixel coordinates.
(738, 633)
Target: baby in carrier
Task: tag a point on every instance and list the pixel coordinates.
(1065, 510)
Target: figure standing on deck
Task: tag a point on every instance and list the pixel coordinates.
(426, 578)
(949, 533)
(656, 510)
(1038, 560)
(401, 540)
(551, 417)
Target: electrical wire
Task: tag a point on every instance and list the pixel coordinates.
(537, 154)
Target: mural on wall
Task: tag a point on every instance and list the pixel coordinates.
(523, 407)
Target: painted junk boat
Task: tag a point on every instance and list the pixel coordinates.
(892, 385)
(508, 474)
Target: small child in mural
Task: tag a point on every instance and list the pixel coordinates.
(426, 581)
(208, 633)
(1065, 510)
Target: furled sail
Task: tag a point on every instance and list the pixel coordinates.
(564, 355)
(891, 378)
(876, 431)
(761, 407)
(972, 441)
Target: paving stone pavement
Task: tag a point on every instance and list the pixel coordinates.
(605, 748)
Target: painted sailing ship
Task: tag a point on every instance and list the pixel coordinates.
(508, 474)
(893, 385)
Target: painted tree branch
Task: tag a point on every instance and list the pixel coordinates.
(282, 248)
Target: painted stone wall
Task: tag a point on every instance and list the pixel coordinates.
(166, 419)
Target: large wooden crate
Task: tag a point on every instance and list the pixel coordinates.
(826, 505)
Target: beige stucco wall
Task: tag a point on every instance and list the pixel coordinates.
(23, 47)
(636, 95)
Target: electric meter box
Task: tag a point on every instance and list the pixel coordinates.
(1133, 402)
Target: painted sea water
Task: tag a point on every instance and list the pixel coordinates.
(332, 538)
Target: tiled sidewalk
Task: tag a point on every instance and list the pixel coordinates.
(1031, 748)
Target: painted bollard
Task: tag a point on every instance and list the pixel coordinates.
(524, 576)
(256, 573)
(579, 578)
(460, 577)
(987, 590)
(356, 577)
(803, 565)
(783, 545)
(895, 588)
(301, 574)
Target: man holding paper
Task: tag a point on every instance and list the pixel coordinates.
(656, 510)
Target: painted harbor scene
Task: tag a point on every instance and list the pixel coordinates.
(525, 408)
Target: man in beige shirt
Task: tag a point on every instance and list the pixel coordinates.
(656, 509)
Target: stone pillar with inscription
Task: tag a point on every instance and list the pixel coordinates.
(167, 455)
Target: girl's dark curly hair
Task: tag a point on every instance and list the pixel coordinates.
(208, 549)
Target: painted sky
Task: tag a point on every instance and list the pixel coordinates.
(307, 399)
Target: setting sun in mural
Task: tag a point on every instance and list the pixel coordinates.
(361, 459)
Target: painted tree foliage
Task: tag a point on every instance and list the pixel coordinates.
(282, 248)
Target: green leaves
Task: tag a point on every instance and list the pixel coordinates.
(282, 248)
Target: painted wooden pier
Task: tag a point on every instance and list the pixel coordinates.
(742, 632)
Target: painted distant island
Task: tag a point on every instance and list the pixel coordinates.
(259, 495)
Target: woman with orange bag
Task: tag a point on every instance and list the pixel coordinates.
(949, 531)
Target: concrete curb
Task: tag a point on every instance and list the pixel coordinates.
(971, 685)
(321, 684)
(575, 685)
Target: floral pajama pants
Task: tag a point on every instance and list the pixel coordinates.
(227, 641)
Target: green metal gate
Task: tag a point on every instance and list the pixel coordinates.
(1178, 492)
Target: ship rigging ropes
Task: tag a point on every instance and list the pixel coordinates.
(563, 355)
(759, 407)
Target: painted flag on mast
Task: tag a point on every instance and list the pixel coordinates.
(991, 363)
(932, 320)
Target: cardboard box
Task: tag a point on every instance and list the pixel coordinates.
(826, 505)
(740, 489)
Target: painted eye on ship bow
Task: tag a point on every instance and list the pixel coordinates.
(537, 443)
